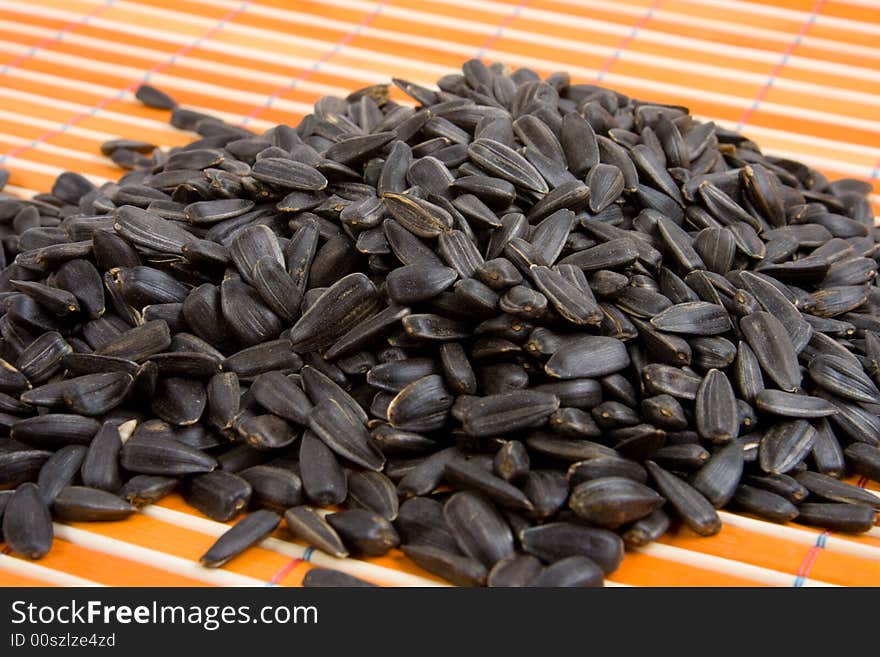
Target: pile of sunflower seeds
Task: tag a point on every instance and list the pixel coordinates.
(511, 328)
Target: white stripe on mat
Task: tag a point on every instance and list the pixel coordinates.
(201, 64)
(172, 17)
(154, 558)
(20, 192)
(791, 14)
(46, 124)
(168, 82)
(725, 566)
(177, 83)
(78, 108)
(794, 15)
(257, 54)
(48, 169)
(42, 573)
(57, 150)
(833, 543)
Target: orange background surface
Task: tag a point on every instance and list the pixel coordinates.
(800, 77)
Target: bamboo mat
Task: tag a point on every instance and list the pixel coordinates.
(800, 77)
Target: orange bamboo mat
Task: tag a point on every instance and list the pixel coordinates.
(800, 77)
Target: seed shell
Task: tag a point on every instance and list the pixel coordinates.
(246, 533)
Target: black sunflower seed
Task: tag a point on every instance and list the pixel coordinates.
(854, 518)
(27, 525)
(785, 445)
(308, 526)
(84, 504)
(246, 533)
(690, 505)
(59, 471)
(364, 531)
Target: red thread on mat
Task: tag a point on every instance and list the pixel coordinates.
(67, 28)
(803, 572)
(183, 50)
(628, 39)
(777, 69)
(285, 571)
(324, 58)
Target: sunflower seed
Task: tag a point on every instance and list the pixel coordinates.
(574, 571)
(765, 504)
(364, 531)
(272, 487)
(55, 430)
(717, 419)
(515, 571)
(718, 479)
(219, 495)
(773, 348)
(156, 455)
(306, 525)
(83, 504)
(558, 540)
(829, 488)
(863, 459)
(509, 411)
(647, 529)
(478, 528)
(690, 505)
(613, 501)
(852, 518)
(375, 492)
(785, 445)
(155, 98)
(18, 466)
(843, 378)
(793, 405)
(455, 568)
(326, 577)
(246, 533)
(324, 480)
(27, 525)
(59, 471)
(341, 307)
(141, 490)
(503, 162)
(695, 318)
